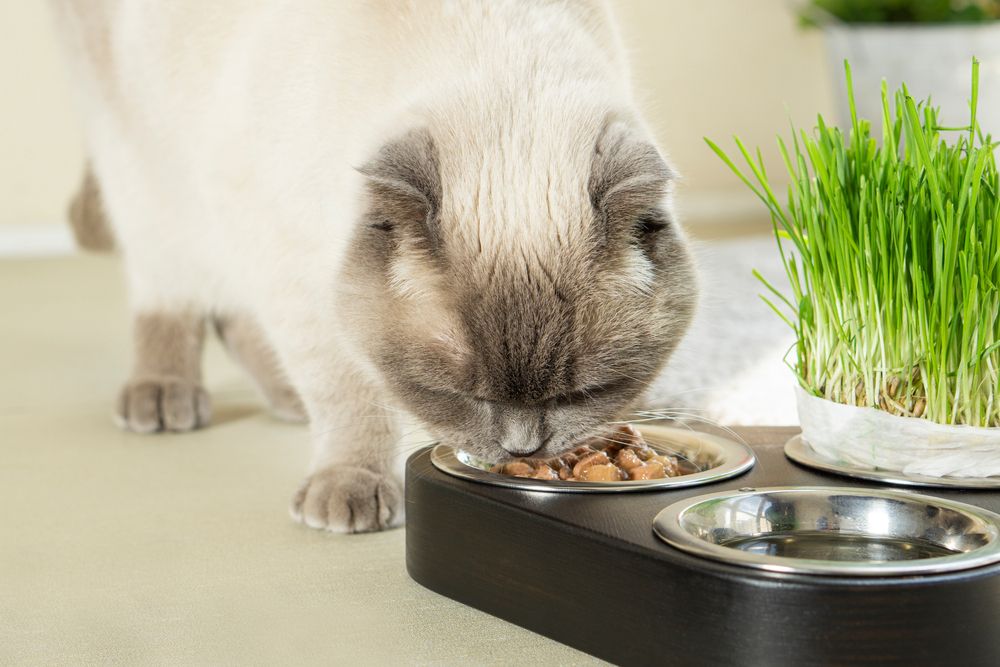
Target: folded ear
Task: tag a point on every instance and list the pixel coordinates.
(629, 180)
(404, 185)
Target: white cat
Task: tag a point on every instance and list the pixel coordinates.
(448, 207)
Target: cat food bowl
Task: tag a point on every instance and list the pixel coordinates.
(833, 531)
(703, 458)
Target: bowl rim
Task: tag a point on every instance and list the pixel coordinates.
(668, 526)
(799, 450)
(736, 458)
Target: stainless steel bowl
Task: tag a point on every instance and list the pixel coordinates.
(798, 450)
(713, 456)
(833, 531)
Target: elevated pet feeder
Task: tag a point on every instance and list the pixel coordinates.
(589, 570)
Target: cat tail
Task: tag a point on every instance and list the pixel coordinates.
(86, 216)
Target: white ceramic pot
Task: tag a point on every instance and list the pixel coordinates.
(933, 60)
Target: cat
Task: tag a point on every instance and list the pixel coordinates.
(447, 208)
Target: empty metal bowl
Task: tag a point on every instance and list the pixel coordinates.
(713, 458)
(833, 531)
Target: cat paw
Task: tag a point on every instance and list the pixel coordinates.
(162, 404)
(348, 499)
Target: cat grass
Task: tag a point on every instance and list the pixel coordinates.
(900, 11)
(892, 252)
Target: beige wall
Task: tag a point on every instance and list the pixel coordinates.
(704, 67)
(717, 68)
(40, 151)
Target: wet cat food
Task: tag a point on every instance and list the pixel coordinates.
(621, 455)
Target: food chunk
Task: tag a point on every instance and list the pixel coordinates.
(619, 455)
(545, 472)
(651, 470)
(603, 472)
(516, 468)
(628, 459)
(597, 458)
(669, 464)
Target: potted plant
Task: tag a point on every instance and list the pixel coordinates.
(892, 249)
(926, 43)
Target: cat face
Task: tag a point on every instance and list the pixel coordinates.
(515, 311)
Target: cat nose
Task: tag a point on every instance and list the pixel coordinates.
(525, 439)
(522, 440)
(521, 450)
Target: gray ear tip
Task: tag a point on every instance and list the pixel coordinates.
(628, 168)
(411, 158)
(620, 133)
(669, 172)
(403, 179)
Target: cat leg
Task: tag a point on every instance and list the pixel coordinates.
(350, 486)
(247, 343)
(86, 216)
(164, 392)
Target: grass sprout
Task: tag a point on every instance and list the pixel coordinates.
(892, 250)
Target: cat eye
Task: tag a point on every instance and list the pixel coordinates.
(383, 226)
(650, 224)
(584, 395)
(579, 396)
(589, 393)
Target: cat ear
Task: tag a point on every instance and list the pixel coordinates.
(404, 184)
(629, 181)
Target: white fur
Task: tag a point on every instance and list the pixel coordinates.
(226, 134)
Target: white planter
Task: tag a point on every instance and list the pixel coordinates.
(869, 438)
(933, 60)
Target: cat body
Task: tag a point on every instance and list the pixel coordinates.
(446, 207)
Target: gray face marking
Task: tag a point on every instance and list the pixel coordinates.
(509, 352)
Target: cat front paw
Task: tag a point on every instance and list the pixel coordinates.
(348, 499)
(162, 404)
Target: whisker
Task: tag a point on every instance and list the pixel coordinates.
(679, 415)
(711, 422)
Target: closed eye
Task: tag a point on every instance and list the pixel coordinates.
(582, 396)
(590, 393)
(585, 395)
(650, 224)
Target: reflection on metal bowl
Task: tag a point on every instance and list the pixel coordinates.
(712, 457)
(833, 531)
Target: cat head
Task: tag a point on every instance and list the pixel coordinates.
(515, 298)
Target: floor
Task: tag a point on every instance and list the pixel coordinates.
(177, 549)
